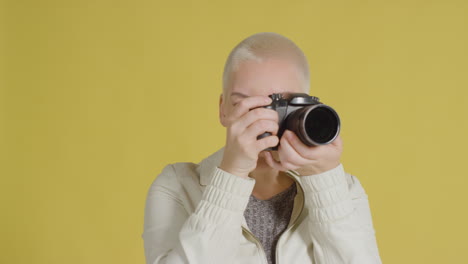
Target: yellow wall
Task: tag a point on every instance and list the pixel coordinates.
(97, 96)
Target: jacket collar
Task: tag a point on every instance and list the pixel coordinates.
(208, 165)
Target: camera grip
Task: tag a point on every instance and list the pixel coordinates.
(264, 135)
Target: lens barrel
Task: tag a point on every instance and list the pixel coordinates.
(315, 125)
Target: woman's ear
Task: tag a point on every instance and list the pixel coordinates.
(222, 113)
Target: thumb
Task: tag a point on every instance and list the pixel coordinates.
(272, 162)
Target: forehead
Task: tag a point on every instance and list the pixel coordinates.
(266, 77)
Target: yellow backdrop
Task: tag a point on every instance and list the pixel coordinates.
(97, 96)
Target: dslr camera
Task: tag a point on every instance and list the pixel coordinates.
(313, 122)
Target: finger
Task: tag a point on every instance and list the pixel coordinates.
(289, 157)
(255, 115)
(259, 127)
(295, 142)
(307, 152)
(245, 105)
(272, 162)
(338, 142)
(266, 142)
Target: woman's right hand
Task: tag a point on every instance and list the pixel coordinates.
(243, 126)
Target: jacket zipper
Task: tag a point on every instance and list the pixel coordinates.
(295, 220)
(259, 244)
(252, 236)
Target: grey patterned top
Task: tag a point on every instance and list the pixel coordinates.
(267, 219)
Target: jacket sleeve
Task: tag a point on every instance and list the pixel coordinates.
(211, 234)
(339, 220)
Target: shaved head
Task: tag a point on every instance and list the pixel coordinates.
(262, 47)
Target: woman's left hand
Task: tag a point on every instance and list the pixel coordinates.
(294, 155)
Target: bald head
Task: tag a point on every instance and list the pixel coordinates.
(262, 47)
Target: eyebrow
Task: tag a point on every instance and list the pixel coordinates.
(239, 94)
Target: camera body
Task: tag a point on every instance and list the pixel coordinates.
(312, 121)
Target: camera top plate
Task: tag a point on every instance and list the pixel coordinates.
(298, 98)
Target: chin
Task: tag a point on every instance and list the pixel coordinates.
(261, 162)
(275, 155)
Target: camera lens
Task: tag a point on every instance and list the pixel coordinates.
(321, 124)
(315, 125)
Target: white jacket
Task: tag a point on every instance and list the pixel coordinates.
(195, 214)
